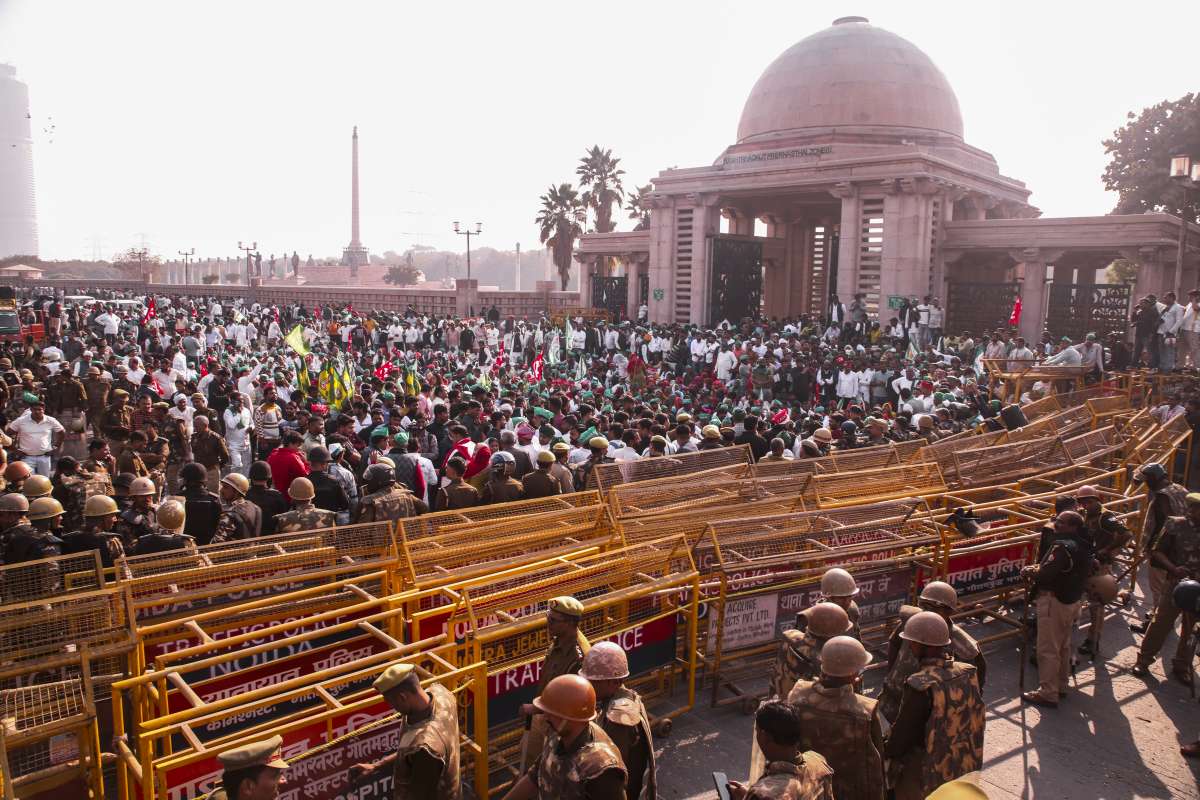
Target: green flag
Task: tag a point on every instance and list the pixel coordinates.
(295, 340)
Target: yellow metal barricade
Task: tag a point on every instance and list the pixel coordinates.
(413, 528)
(916, 479)
(605, 476)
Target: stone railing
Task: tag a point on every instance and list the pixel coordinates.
(464, 300)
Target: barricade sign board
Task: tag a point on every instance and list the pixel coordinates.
(323, 776)
(987, 570)
(648, 646)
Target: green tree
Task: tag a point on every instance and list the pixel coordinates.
(1121, 271)
(636, 206)
(403, 275)
(600, 178)
(1141, 150)
(560, 222)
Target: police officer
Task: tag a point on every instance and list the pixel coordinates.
(1178, 554)
(251, 772)
(1164, 499)
(36, 486)
(455, 493)
(99, 516)
(938, 734)
(14, 518)
(67, 402)
(263, 494)
(167, 534)
(578, 760)
(203, 507)
(791, 773)
(15, 475)
(240, 519)
(838, 587)
(841, 724)
(1109, 537)
(41, 539)
(568, 646)
(540, 483)
(1186, 598)
(940, 598)
(426, 761)
(116, 422)
(501, 487)
(1060, 578)
(137, 520)
(598, 446)
(385, 501)
(800, 653)
(623, 716)
(304, 516)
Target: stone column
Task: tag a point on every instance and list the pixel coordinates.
(907, 239)
(660, 266)
(1155, 271)
(587, 268)
(635, 267)
(466, 296)
(848, 244)
(1033, 261)
(705, 222)
(979, 204)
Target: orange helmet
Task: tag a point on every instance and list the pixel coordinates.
(570, 697)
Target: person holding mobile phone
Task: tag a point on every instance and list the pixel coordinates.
(790, 773)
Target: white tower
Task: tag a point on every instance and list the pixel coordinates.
(354, 255)
(18, 215)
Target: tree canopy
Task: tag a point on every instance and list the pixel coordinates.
(1141, 151)
(560, 223)
(600, 178)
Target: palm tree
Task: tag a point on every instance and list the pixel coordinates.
(635, 205)
(561, 222)
(600, 178)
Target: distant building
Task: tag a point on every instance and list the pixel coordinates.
(18, 214)
(21, 272)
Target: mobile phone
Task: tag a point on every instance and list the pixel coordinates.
(722, 782)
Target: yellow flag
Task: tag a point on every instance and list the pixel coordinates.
(295, 340)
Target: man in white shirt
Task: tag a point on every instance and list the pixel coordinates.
(1067, 356)
(726, 363)
(1170, 319)
(1189, 331)
(239, 422)
(37, 436)
(1021, 356)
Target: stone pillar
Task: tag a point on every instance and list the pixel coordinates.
(587, 268)
(907, 240)
(1155, 271)
(848, 245)
(466, 297)
(543, 290)
(660, 266)
(705, 222)
(635, 268)
(1034, 293)
(979, 204)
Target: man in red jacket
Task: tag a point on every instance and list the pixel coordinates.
(287, 461)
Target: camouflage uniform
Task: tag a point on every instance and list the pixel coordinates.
(799, 658)
(27, 543)
(161, 541)
(434, 737)
(946, 693)
(1180, 543)
(306, 518)
(23, 527)
(387, 505)
(564, 771)
(905, 664)
(133, 524)
(623, 717)
(155, 458)
(564, 656)
(71, 491)
(808, 778)
(843, 727)
(236, 522)
(92, 538)
(1170, 501)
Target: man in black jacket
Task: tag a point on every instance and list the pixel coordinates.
(758, 445)
(1060, 578)
(201, 507)
(329, 494)
(263, 494)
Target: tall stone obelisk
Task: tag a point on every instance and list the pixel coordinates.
(354, 255)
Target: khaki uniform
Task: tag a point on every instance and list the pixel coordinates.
(67, 402)
(540, 483)
(844, 728)
(456, 494)
(565, 770)
(565, 656)
(501, 491)
(799, 658)
(1170, 501)
(97, 396)
(1110, 536)
(905, 664)
(387, 505)
(623, 717)
(1179, 542)
(115, 425)
(562, 473)
(435, 737)
(947, 694)
(307, 518)
(131, 461)
(808, 778)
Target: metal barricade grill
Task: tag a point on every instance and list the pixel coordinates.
(606, 476)
(413, 528)
(51, 577)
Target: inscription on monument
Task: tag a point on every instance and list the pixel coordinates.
(775, 155)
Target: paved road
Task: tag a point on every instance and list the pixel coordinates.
(1115, 737)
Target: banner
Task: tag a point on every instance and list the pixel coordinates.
(987, 570)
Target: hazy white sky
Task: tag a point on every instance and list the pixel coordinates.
(198, 124)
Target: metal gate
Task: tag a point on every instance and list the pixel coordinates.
(736, 286)
(1077, 309)
(980, 307)
(611, 294)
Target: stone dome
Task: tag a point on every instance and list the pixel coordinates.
(851, 74)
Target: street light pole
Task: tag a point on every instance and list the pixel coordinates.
(469, 233)
(1184, 170)
(248, 250)
(186, 255)
(140, 254)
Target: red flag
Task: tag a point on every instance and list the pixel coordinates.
(150, 310)
(276, 310)
(384, 369)
(500, 359)
(1014, 319)
(535, 370)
